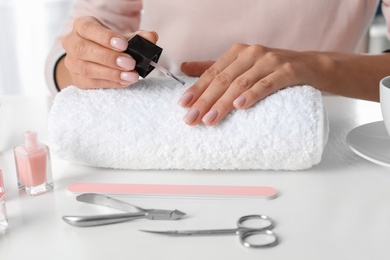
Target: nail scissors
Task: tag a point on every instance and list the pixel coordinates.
(258, 236)
(134, 212)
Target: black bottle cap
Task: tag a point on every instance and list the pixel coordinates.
(143, 51)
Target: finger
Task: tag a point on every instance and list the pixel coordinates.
(192, 94)
(148, 35)
(217, 89)
(200, 103)
(92, 29)
(196, 90)
(195, 68)
(225, 104)
(261, 89)
(97, 71)
(81, 49)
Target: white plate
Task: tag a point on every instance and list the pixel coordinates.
(372, 142)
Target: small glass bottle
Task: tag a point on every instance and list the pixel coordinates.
(33, 165)
(3, 211)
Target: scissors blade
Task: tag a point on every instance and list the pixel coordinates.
(152, 214)
(98, 220)
(208, 232)
(159, 214)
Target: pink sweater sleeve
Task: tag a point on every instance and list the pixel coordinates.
(122, 16)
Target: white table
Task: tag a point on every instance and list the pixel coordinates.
(339, 209)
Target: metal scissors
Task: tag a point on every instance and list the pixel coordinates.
(134, 212)
(253, 235)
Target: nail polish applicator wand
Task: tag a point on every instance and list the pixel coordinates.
(146, 55)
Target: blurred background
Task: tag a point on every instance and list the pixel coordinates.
(28, 31)
(29, 27)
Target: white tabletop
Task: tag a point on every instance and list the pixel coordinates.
(339, 209)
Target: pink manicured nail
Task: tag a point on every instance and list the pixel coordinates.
(155, 34)
(129, 76)
(239, 102)
(191, 115)
(118, 43)
(125, 62)
(185, 99)
(210, 116)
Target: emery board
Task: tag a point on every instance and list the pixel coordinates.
(174, 190)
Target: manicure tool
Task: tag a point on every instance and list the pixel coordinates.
(260, 235)
(134, 212)
(146, 55)
(175, 190)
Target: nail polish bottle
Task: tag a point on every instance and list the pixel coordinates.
(3, 211)
(33, 165)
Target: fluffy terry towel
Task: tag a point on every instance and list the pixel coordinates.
(142, 127)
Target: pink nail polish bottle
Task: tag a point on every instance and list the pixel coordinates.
(3, 211)
(33, 165)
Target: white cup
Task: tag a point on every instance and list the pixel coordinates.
(384, 90)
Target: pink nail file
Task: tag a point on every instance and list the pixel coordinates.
(262, 192)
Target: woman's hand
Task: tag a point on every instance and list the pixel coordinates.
(245, 75)
(94, 56)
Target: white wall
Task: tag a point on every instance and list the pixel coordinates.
(378, 41)
(28, 28)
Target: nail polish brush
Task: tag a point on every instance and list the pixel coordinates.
(166, 72)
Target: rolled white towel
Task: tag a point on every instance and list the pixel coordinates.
(142, 127)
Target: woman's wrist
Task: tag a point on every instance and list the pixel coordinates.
(324, 69)
(348, 74)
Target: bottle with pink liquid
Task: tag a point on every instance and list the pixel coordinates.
(3, 211)
(33, 165)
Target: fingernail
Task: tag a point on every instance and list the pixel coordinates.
(155, 35)
(210, 116)
(191, 115)
(185, 99)
(129, 76)
(239, 102)
(118, 43)
(125, 62)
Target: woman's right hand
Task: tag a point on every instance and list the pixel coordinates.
(95, 58)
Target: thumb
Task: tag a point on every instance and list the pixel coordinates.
(195, 68)
(148, 35)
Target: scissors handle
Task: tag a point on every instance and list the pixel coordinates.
(263, 222)
(264, 238)
(106, 201)
(258, 234)
(98, 220)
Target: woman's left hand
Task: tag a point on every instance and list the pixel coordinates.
(244, 75)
